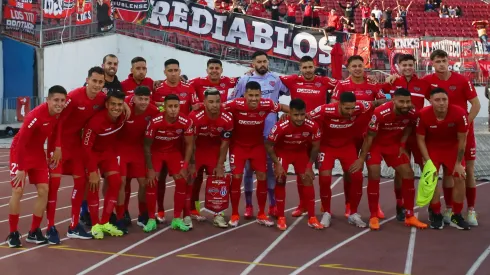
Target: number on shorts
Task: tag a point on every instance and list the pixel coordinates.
(118, 160)
(13, 169)
(232, 158)
(321, 157)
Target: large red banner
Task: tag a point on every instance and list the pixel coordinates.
(19, 20)
(359, 44)
(84, 12)
(21, 4)
(58, 9)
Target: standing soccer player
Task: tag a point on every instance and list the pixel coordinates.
(210, 151)
(27, 158)
(388, 132)
(163, 146)
(271, 87)
(338, 123)
(137, 77)
(100, 153)
(289, 143)
(441, 134)
(247, 143)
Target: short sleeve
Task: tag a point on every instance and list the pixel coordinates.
(420, 126)
(317, 133)
(189, 128)
(462, 122)
(275, 133)
(152, 127)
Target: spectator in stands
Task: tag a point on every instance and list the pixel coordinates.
(377, 13)
(387, 19)
(237, 7)
(437, 4)
(399, 24)
(452, 12)
(403, 13)
(308, 13)
(429, 7)
(256, 8)
(202, 3)
(349, 26)
(223, 7)
(372, 26)
(481, 28)
(365, 12)
(349, 10)
(316, 14)
(334, 20)
(459, 12)
(444, 12)
(274, 7)
(104, 20)
(292, 8)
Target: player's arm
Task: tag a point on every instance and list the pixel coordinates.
(475, 108)
(147, 144)
(189, 149)
(273, 137)
(459, 170)
(366, 145)
(421, 132)
(223, 150)
(239, 88)
(380, 98)
(89, 135)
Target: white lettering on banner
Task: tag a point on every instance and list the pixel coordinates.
(218, 28)
(324, 56)
(52, 7)
(19, 25)
(479, 49)
(397, 43)
(159, 14)
(196, 19)
(180, 15)
(311, 42)
(281, 47)
(262, 36)
(453, 48)
(238, 30)
(84, 16)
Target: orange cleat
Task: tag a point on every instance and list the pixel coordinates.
(249, 212)
(273, 211)
(281, 223)
(374, 223)
(298, 212)
(347, 210)
(234, 219)
(413, 221)
(262, 219)
(315, 224)
(160, 216)
(380, 213)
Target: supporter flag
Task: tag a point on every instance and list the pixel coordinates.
(484, 67)
(84, 12)
(19, 20)
(105, 17)
(337, 58)
(22, 4)
(58, 9)
(360, 44)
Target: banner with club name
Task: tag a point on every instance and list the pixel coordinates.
(22, 4)
(59, 9)
(15, 19)
(484, 67)
(84, 12)
(235, 30)
(105, 12)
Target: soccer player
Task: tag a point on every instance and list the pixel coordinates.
(271, 87)
(289, 143)
(163, 146)
(27, 158)
(99, 153)
(389, 128)
(210, 151)
(338, 123)
(131, 155)
(441, 135)
(137, 77)
(364, 90)
(214, 80)
(249, 114)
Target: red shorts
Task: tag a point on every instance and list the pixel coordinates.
(172, 160)
(470, 151)
(299, 160)
(413, 148)
(390, 154)
(206, 159)
(446, 158)
(39, 174)
(71, 162)
(347, 155)
(132, 164)
(239, 155)
(107, 162)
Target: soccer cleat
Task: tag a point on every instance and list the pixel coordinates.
(195, 215)
(273, 211)
(400, 213)
(13, 240)
(281, 223)
(79, 233)
(458, 221)
(142, 220)
(127, 219)
(178, 224)
(150, 226)
(413, 221)
(347, 210)
(356, 220)
(262, 219)
(437, 221)
(160, 216)
(113, 219)
(188, 221)
(471, 218)
(315, 224)
(219, 221)
(374, 223)
(326, 219)
(85, 219)
(298, 212)
(97, 232)
(234, 220)
(431, 214)
(112, 230)
(53, 236)
(249, 212)
(36, 237)
(121, 225)
(380, 214)
(447, 215)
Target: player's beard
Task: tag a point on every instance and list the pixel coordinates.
(110, 72)
(262, 70)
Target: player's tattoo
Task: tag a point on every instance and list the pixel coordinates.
(147, 149)
(461, 146)
(460, 155)
(269, 147)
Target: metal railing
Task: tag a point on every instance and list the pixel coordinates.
(10, 108)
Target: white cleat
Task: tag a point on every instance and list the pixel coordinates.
(356, 220)
(326, 219)
(471, 218)
(188, 221)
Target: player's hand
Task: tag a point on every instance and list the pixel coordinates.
(184, 172)
(197, 106)
(151, 177)
(373, 79)
(402, 151)
(459, 171)
(219, 171)
(390, 79)
(309, 174)
(284, 117)
(93, 180)
(279, 171)
(127, 110)
(356, 166)
(56, 157)
(250, 72)
(157, 84)
(19, 179)
(192, 170)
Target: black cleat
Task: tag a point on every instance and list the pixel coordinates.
(36, 237)
(142, 220)
(127, 219)
(113, 219)
(437, 222)
(431, 214)
(53, 236)
(400, 213)
(13, 240)
(120, 224)
(458, 221)
(85, 219)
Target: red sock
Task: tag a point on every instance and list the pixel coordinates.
(54, 185)
(408, 196)
(120, 211)
(188, 195)
(436, 207)
(93, 206)
(36, 222)
(373, 196)
(347, 189)
(300, 187)
(162, 185)
(110, 200)
(309, 200)
(142, 207)
(399, 195)
(179, 197)
(235, 194)
(457, 207)
(325, 192)
(76, 200)
(448, 196)
(151, 201)
(127, 194)
(261, 195)
(280, 192)
(471, 196)
(196, 190)
(355, 193)
(13, 222)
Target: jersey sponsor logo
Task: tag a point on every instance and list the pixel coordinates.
(341, 126)
(272, 83)
(166, 138)
(318, 84)
(417, 89)
(305, 134)
(369, 92)
(178, 131)
(308, 91)
(253, 122)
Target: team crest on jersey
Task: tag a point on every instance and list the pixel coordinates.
(222, 85)
(417, 89)
(96, 107)
(405, 121)
(219, 129)
(147, 118)
(104, 90)
(318, 84)
(452, 88)
(261, 113)
(450, 125)
(179, 131)
(272, 83)
(305, 134)
(183, 94)
(369, 92)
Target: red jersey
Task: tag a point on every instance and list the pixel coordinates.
(313, 92)
(289, 137)
(334, 21)
(208, 130)
(255, 9)
(28, 143)
(388, 125)
(417, 87)
(99, 136)
(185, 92)
(442, 134)
(365, 12)
(249, 123)
(365, 91)
(338, 131)
(308, 11)
(168, 137)
(200, 84)
(129, 84)
(458, 88)
(292, 8)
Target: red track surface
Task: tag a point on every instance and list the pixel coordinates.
(340, 249)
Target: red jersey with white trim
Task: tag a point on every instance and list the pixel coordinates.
(168, 137)
(128, 85)
(210, 132)
(458, 88)
(185, 92)
(200, 84)
(442, 134)
(388, 125)
(28, 143)
(365, 91)
(289, 137)
(312, 92)
(100, 136)
(339, 131)
(417, 87)
(249, 123)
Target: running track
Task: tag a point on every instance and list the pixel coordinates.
(253, 249)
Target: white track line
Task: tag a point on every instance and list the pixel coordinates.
(478, 262)
(411, 249)
(35, 192)
(5, 181)
(341, 244)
